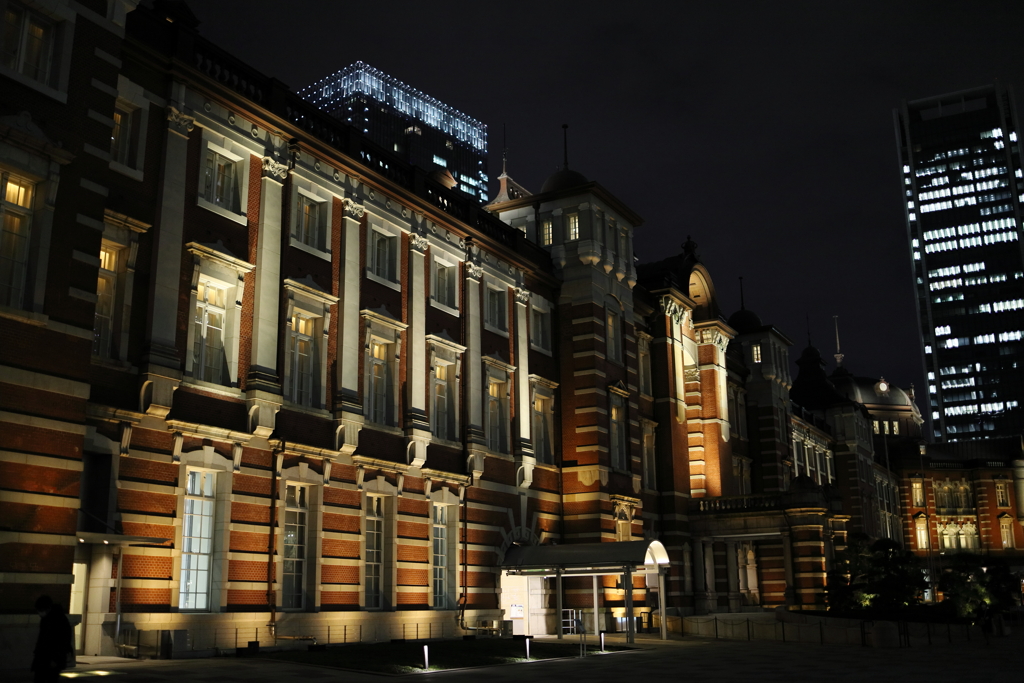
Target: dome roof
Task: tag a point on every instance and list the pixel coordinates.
(744, 321)
(563, 179)
(863, 390)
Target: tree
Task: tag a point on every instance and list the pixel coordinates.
(878, 575)
(970, 581)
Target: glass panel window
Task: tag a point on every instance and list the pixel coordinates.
(105, 292)
(440, 556)
(383, 254)
(296, 509)
(541, 329)
(444, 284)
(650, 473)
(645, 373)
(301, 356)
(572, 227)
(310, 221)
(14, 240)
(197, 542)
(379, 382)
(618, 432)
(755, 352)
(1002, 495)
(545, 233)
(613, 341)
(496, 309)
(121, 136)
(442, 402)
(496, 417)
(1006, 533)
(374, 552)
(921, 534)
(220, 181)
(28, 43)
(917, 494)
(208, 360)
(543, 417)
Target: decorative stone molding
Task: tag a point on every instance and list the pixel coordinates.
(352, 208)
(522, 296)
(418, 243)
(474, 271)
(273, 168)
(713, 336)
(236, 456)
(674, 310)
(691, 375)
(180, 122)
(126, 437)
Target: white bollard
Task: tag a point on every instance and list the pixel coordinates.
(602, 641)
(527, 648)
(426, 657)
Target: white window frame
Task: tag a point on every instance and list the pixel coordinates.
(572, 226)
(450, 304)
(132, 98)
(1006, 540)
(498, 437)
(496, 321)
(306, 299)
(62, 18)
(305, 189)
(302, 495)
(547, 232)
(648, 448)
(24, 260)
(618, 431)
(541, 308)
(206, 500)
(755, 353)
(223, 270)
(382, 328)
(1002, 494)
(643, 342)
(917, 493)
(440, 555)
(238, 155)
(385, 560)
(103, 346)
(377, 229)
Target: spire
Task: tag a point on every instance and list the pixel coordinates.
(690, 247)
(808, 316)
(504, 150)
(565, 144)
(839, 353)
(508, 189)
(743, 305)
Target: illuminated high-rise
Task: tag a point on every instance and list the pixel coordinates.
(404, 121)
(960, 169)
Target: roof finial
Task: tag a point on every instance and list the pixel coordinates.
(565, 143)
(743, 305)
(504, 150)
(808, 317)
(839, 353)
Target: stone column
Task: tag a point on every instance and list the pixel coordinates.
(263, 375)
(473, 371)
(733, 573)
(523, 444)
(787, 560)
(709, 575)
(1018, 489)
(687, 569)
(417, 421)
(349, 345)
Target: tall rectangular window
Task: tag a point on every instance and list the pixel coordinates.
(220, 181)
(497, 416)
(613, 337)
(440, 556)
(572, 227)
(921, 533)
(301, 355)
(650, 471)
(443, 395)
(380, 380)
(545, 233)
(496, 317)
(14, 239)
(645, 373)
(208, 360)
(27, 43)
(121, 136)
(540, 329)
(384, 249)
(1002, 495)
(106, 286)
(310, 222)
(296, 508)
(197, 541)
(445, 291)
(374, 561)
(917, 494)
(543, 417)
(618, 433)
(755, 352)
(1006, 533)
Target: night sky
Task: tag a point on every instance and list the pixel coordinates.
(762, 129)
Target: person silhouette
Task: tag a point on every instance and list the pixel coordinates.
(54, 643)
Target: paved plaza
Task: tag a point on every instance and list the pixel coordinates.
(680, 659)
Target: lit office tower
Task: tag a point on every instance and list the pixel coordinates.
(961, 175)
(406, 122)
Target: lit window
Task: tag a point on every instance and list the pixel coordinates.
(921, 529)
(618, 433)
(14, 239)
(374, 562)
(444, 412)
(197, 542)
(546, 233)
(1002, 495)
(440, 161)
(755, 352)
(895, 428)
(917, 494)
(296, 508)
(208, 359)
(875, 423)
(106, 288)
(496, 301)
(497, 416)
(28, 40)
(572, 227)
(1006, 533)
(380, 383)
(300, 361)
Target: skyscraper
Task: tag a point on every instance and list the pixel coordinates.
(404, 121)
(960, 169)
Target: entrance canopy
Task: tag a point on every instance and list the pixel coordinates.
(585, 558)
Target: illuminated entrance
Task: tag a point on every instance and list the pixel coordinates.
(525, 567)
